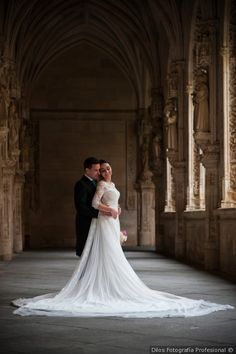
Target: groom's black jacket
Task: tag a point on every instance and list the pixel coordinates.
(84, 191)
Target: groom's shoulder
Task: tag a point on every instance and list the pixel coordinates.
(82, 182)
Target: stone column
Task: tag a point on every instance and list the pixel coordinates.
(210, 161)
(145, 185)
(3, 136)
(170, 205)
(227, 201)
(232, 113)
(18, 212)
(147, 213)
(180, 203)
(180, 200)
(7, 237)
(156, 163)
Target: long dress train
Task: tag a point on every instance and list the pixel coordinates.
(104, 283)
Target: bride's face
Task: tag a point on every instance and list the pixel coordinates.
(106, 171)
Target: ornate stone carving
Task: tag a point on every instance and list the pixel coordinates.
(4, 89)
(203, 52)
(170, 184)
(131, 193)
(196, 174)
(156, 106)
(232, 99)
(147, 214)
(173, 190)
(173, 80)
(34, 165)
(18, 204)
(212, 151)
(14, 124)
(156, 146)
(24, 140)
(203, 46)
(144, 131)
(201, 102)
(157, 131)
(233, 176)
(145, 184)
(171, 121)
(172, 157)
(14, 87)
(8, 172)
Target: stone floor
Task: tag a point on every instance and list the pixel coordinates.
(33, 273)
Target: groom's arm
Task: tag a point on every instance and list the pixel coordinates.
(81, 204)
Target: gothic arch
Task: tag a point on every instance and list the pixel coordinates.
(49, 28)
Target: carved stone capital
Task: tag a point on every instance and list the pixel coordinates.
(211, 156)
(146, 178)
(172, 157)
(202, 139)
(148, 184)
(179, 166)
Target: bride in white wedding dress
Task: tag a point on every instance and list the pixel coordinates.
(104, 283)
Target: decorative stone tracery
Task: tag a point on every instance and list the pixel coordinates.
(145, 184)
(232, 102)
(11, 176)
(206, 147)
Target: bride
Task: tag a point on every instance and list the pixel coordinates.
(104, 283)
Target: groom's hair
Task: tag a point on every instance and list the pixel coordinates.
(89, 161)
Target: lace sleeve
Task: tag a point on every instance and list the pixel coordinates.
(98, 194)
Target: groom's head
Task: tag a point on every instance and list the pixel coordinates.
(91, 167)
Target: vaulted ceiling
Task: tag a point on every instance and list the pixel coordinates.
(129, 31)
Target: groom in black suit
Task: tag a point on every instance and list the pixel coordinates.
(83, 194)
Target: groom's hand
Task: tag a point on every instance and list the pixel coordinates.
(105, 213)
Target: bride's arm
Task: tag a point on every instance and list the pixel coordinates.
(97, 201)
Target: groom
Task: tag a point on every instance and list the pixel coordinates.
(84, 191)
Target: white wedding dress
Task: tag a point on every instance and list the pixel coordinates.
(104, 283)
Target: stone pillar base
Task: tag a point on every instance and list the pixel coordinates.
(147, 214)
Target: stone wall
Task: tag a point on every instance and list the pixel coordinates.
(195, 237)
(227, 242)
(83, 106)
(196, 242)
(168, 242)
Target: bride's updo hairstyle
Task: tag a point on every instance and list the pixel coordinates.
(101, 162)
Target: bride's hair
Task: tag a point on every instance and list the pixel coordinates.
(103, 161)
